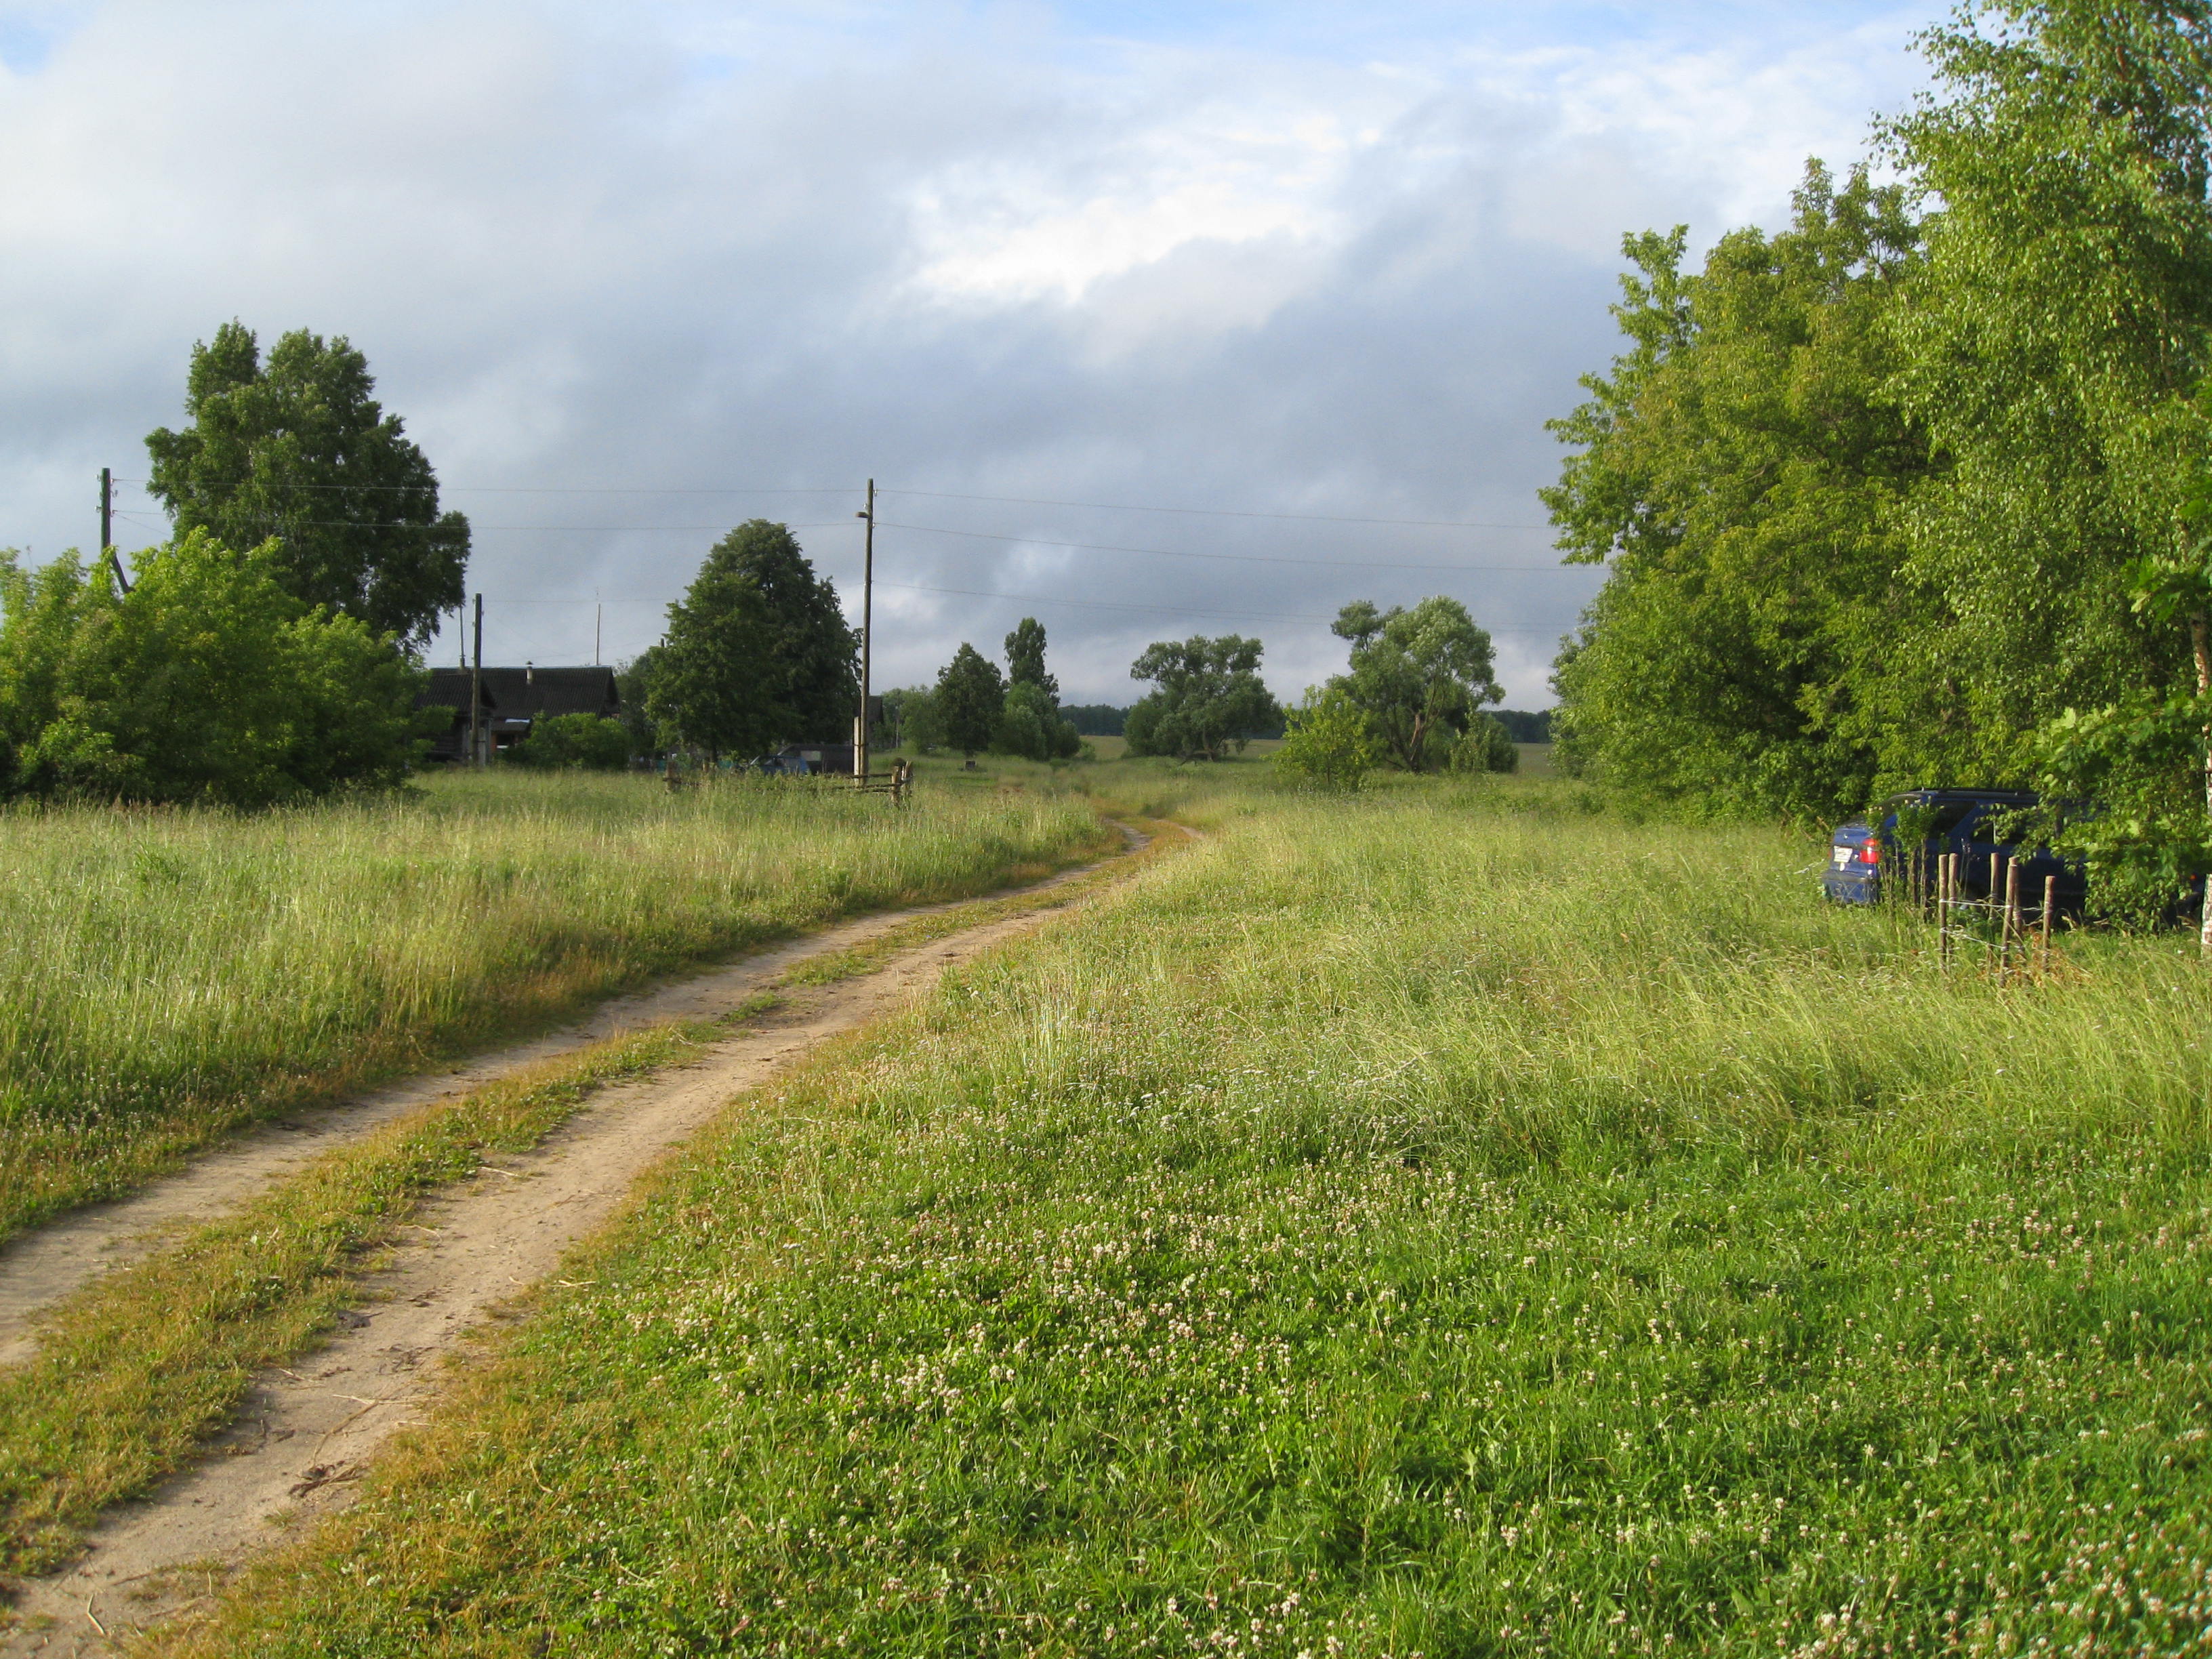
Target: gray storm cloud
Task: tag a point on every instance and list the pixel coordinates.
(627, 279)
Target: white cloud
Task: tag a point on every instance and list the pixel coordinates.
(694, 245)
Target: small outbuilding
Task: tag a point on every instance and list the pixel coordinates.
(512, 699)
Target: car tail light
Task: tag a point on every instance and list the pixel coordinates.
(1871, 853)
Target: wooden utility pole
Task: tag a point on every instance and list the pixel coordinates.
(476, 693)
(107, 528)
(868, 630)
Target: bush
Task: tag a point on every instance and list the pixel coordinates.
(577, 742)
(208, 682)
(1327, 741)
(1485, 746)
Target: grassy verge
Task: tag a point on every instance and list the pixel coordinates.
(1439, 1224)
(166, 975)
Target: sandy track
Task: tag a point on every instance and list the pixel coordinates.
(306, 1433)
(42, 1267)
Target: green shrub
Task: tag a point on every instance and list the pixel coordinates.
(577, 742)
(207, 682)
(1328, 743)
(1485, 746)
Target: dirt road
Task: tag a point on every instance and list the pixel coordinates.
(307, 1433)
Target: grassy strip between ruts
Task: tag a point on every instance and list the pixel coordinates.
(1439, 1225)
(135, 1372)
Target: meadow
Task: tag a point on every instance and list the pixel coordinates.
(1457, 1221)
(167, 974)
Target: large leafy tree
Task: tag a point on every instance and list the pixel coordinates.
(1208, 697)
(2050, 344)
(1741, 473)
(297, 449)
(634, 682)
(1025, 658)
(1030, 725)
(757, 653)
(969, 700)
(1420, 676)
(208, 683)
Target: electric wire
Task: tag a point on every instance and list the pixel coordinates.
(1214, 512)
(1187, 553)
(932, 494)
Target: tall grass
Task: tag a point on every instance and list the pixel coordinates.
(165, 975)
(1448, 1224)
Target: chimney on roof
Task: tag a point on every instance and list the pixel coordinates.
(529, 673)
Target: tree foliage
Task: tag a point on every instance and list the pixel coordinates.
(1208, 696)
(297, 450)
(633, 684)
(1025, 658)
(580, 741)
(1327, 741)
(757, 653)
(1485, 746)
(2050, 343)
(208, 683)
(911, 717)
(1885, 498)
(1029, 722)
(970, 699)
(1739, 472)
(1420, 676)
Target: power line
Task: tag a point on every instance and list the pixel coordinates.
(566, 490)
(1217, 512)
(1233, 558)
(932, 494)
(578, 529)
(1167, 610)
(944, 530)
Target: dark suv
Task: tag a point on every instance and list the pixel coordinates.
(1962, 821)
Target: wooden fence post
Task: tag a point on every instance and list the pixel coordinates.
(2012, 922)
(1946, 877)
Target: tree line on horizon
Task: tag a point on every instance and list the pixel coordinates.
(269, 652)
(1912, 493)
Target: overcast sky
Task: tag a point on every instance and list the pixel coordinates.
(632, 274)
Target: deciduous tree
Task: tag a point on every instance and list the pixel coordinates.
(1741, 475)
(2051, 344)
(757, 653)
(297, 449)
(970, 697)
(1420, 676)
(1327, 741)
(1209, 696)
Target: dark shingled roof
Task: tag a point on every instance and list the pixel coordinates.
(514, 694)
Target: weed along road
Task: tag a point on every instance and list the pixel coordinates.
(303, 1433)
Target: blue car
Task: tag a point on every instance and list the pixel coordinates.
(1862, 855)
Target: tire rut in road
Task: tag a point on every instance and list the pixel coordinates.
(307, 1432)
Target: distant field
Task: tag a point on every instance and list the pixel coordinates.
(1449, 1221)
(165, 975)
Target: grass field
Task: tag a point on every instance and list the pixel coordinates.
(1447, 1223)
(165, 976)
